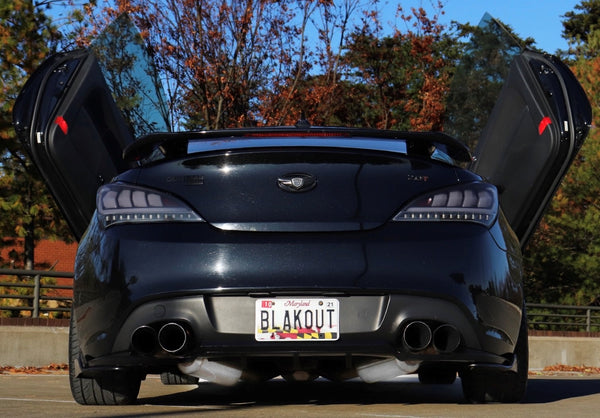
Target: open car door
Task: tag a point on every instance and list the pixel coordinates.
(68, 120)
(536, 128)
(525, 115)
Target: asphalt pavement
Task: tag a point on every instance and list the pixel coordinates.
(564, 395)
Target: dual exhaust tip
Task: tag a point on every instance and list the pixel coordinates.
(418, 336)
(172, 337)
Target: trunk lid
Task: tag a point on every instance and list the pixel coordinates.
(336, 189)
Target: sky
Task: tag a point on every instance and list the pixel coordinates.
(538, 19)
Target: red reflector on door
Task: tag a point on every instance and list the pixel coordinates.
(62, 124)
(543, 123)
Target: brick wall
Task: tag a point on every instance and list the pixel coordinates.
(57, 255)
(49, 255)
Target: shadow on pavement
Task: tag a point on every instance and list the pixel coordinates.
(541, 390)
(279, 392)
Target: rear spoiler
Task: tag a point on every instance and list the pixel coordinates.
(174, 145)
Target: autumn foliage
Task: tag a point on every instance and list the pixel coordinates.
(52, 368)
(234, 63)
(266, 62)
(228, 63)
(27, 36)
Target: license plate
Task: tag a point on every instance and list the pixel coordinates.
(297, 319)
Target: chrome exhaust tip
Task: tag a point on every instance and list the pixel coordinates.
(417, 336)
(144, 340)
(446, 338)
(172, 337)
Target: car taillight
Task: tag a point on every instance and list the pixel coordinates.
(471, 202)
(119, 203)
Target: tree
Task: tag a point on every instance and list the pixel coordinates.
(398, 81)
(484, 65)
(231, 63)
(310, 87)
(579, 26)
(217, 57)
(27, 211)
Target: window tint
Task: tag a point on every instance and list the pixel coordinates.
(132, 77)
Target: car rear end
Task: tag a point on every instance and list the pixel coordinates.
(300, 253)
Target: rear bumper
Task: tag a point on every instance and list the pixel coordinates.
(221, 328)
(207, 280)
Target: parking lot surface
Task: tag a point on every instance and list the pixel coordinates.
(49, 396)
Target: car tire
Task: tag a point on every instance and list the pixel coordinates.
(481, 386)
(110, 389)
(170, 378)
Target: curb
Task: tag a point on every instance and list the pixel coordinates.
(38, 346)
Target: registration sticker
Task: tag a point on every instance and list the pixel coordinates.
(280, 319)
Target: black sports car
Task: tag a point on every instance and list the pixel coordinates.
(299, 251)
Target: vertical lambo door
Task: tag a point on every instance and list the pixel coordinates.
(68, 120)
(73, 131)
(536, 128)
(525, 115)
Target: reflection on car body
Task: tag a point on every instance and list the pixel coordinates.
(244, 254)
